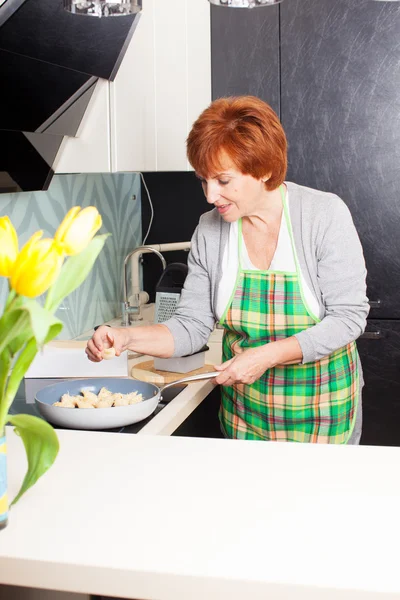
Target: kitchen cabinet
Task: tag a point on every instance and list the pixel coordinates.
(140, 121)
(339, 108)
(332, 72)
(339, 86)
(203, 422)
(89, 151)
(379, 350)
(251, 66)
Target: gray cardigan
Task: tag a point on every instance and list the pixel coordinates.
(331, 261)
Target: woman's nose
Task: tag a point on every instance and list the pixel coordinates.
(212, 193)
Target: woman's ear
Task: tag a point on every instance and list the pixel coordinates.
(266, 177)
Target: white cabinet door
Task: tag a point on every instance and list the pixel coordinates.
(171, 75)
(163, 84)
(140, 121)
(133, 99)
(89, 152)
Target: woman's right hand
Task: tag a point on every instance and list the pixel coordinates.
(103, 338)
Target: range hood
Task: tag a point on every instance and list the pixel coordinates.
(50, 61)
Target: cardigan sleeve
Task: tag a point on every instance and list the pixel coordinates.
(341, 277)
(194, 320)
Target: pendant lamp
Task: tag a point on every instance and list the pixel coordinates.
(244, 3)
(103, 8)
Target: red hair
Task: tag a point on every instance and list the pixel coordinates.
(248, 131)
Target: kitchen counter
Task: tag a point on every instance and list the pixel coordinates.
(169, 518)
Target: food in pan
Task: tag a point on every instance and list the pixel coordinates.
(104, 399)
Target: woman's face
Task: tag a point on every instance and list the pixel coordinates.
(233, 194)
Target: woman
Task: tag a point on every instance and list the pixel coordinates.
(281, 267)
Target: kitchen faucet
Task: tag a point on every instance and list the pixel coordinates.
(130, 312)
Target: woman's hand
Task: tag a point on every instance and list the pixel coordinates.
(248, 365)
(103, 338)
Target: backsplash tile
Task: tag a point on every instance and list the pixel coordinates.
(98, 299)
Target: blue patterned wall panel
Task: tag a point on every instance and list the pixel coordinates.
(117, 197)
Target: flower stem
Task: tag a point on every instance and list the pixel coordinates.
(11, 295)
(5, 363)
(21, 366)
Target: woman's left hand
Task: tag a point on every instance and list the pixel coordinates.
(248, 365)
(245, 367)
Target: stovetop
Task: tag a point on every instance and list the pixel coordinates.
(21, 406)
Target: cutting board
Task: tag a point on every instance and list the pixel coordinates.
(145, 371)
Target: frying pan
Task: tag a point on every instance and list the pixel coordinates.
(104, 418)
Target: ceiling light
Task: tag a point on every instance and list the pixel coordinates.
(244, 3)
(103, 8)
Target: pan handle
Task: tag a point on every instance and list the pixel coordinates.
(191, 378)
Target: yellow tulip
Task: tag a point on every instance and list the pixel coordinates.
(77, 229)
(8, 246)
(37, 266)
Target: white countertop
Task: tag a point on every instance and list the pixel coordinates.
(172, 518)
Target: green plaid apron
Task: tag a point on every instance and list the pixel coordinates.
(313, 402)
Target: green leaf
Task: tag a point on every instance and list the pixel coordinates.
(13, 324)
(74, 272)
(54, 329)
(40, 319)
(19, 324)
(41, 446)
(5, 364)
(7, 322)
(21, 366)
(27, 355)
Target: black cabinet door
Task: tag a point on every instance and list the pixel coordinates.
(379, 350)
(340, 107)
(203, 421)
(245, 53)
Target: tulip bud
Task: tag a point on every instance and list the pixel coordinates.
(77, 229)
(37, 266)
(8, 246)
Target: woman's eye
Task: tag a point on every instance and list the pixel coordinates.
(221, 182)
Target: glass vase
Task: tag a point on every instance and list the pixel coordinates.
(3, 481)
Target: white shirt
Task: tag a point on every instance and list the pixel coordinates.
(283, 260)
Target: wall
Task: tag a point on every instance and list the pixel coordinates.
(178, 202)
(98, 298)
